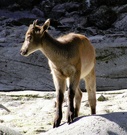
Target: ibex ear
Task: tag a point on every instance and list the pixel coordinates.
(46, 24)
(34, 23)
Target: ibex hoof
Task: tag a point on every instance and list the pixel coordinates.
(56, 123)
(70, 118)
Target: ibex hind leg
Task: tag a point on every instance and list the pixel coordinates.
(78, 97)
(73, 94)
(90, 82)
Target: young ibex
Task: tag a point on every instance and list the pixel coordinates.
(71, 58)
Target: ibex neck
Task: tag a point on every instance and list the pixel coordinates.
(52, 48)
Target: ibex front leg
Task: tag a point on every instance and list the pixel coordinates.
(73, 85)
(60, 85)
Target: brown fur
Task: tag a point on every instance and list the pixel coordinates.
(71, 58)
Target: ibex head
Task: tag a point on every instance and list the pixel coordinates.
(33, 37)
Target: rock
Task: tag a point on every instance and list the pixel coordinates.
(121, 24)
(101, 98)
(58, 11)
(5, 3)
(28, 4)
(15, 80)
(19, 73)
(69, 21)
(14, 7)
(102, 18)
(33, 73)
(113, 123)
(32, 112)
(107, 2)
(38, 12)
(46, 6)
(122, 9)
(7, 131)
(111, 51)
(73, 6)
(61, 9)
(17, 18)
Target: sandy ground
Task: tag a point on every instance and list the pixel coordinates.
(32, 112)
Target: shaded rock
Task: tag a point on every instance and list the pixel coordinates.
(58, 11)
(107, 2)
(28, 4)
(102, 18)
(61, 9)
(69, 21)
(25, 4)
(121, 24)
(5, 3)
(91, 31)
(17, 18)
(122, 9)
(73, 6)
(46, 6)
(38, 12)
(55, 23)
(14, 7)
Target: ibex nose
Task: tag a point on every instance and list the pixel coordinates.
(23, 52)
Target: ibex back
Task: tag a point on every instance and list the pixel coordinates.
(71, 58)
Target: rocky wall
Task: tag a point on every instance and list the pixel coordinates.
(109, 39)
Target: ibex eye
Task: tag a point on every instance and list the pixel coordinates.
(29, 38)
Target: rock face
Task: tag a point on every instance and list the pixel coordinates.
(104, 25)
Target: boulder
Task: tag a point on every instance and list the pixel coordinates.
(102, 18)
(105, 124)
